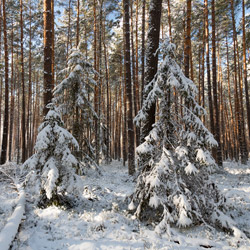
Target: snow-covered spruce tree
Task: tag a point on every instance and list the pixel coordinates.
(52, 168)
(74, 98)
(173, 186)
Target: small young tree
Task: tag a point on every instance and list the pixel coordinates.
(173, 186)
(74, 97)
(53, 167)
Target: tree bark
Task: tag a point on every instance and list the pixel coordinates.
(143, 50)
(78, 23)
(152, 59)
(48, 61)
(187, 46)
(238, 111)
(6, 109)
(210, 101)
(131, 153)
(245, 67)
(12, 99)
(23, 88)
(214, 70)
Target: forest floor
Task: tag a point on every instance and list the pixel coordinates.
(101, 220)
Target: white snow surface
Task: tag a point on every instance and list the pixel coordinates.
(11, 222)
(101, 219)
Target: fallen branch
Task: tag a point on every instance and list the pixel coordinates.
(9, 232)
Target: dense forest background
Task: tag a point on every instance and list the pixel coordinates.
(212, 41)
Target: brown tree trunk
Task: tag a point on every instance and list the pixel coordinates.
(238, 111)
(245, 67)
(131, 153)
(53, 44)
(169, 21)
(48, 61)
(210, 101)
(30, 89)
(233, 126)
(152, 59)
(143, 50)
(6, 99)
(12, 99)
(23, 87)
(69, 30)
(78, 23)
(187, 46)
(96, 67)
(1, 78)
(214, 70)
(108, 114)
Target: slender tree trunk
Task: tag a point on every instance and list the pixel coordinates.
(12, 99)
(108, 114)
(169, 21)
(6, 110)
(203, 69)
(53, 44)
(233, 126)
(143, 50)
(124, 127)
(152, 59)
(245, 67)
(131, 156)
(100, 77)
(216, 107)
(210, 101)
(96, 67)
(23, 87)
(237, 102)
(1, 78)
(69, 30)
(48, 52)
(28, 126)
(188, 39)
(78, 23)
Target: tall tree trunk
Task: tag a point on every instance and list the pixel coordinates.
(143, 50)
(131, 153)
(1, 78)
(78, 22)
(23, 87)
(152, 59)
(135, 78)
(233, 121)
(169, 21)
(30, 88)
(108, 114)
(69, 30)
(243, 151)
(210, 101)
(6, 110)
(188, 39)
(48, 50)
(214, 70)
(12, 99)
(53, 43)
(245, 67)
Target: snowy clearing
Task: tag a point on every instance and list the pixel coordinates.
(101, 220)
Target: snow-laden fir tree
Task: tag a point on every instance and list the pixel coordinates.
(52, 167)
(74, 98)
(173, 187)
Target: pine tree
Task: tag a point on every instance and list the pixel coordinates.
(53, 167)
(173, 186)
(6, 96)
(73, 95)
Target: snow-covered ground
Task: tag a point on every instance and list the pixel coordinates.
(8, 194)
(101, 221)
